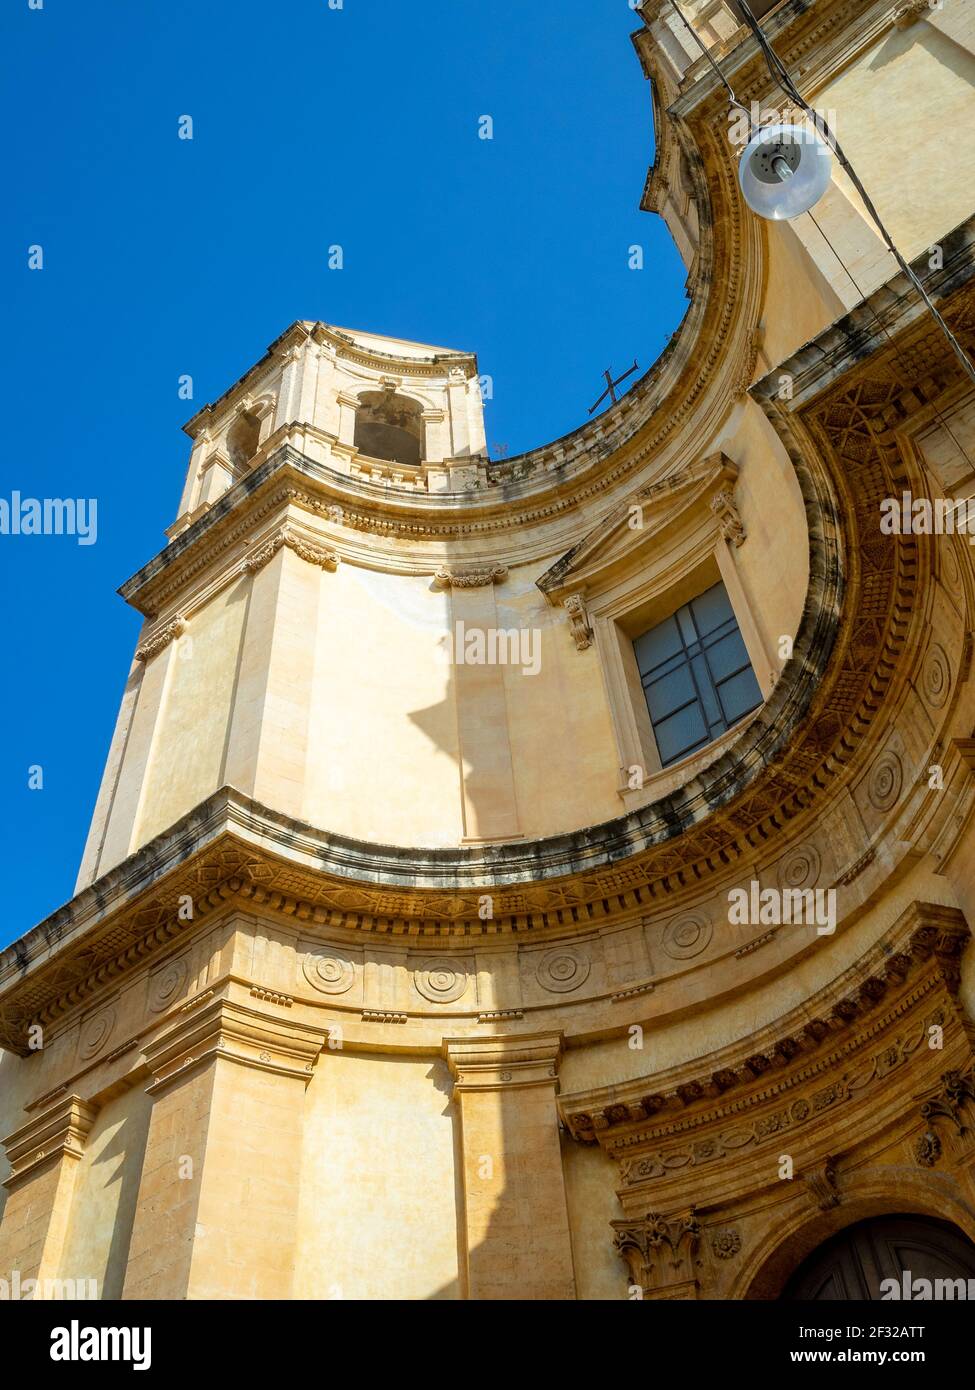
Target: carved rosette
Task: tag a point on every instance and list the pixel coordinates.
(687, 936)
(167, 984)
(442, 979)
(330, 972)
(886, 781)
(800, 868)
(936, 676)
(95, 1033)
(563, 970)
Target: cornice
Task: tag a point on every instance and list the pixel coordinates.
(926, 938)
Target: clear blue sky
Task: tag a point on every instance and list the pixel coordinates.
(312, 126)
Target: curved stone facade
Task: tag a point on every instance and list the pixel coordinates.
(433, 966)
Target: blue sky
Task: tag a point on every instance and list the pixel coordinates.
(311, 127)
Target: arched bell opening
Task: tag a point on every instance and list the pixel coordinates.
(389, 426)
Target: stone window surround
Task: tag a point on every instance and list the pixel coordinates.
(704, 535)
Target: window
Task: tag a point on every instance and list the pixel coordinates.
(696, 675)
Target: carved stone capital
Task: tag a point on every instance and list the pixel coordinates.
(500, 1063)
(660, 1253)
(153, 645)
(58, 1131)
(218, 1028)
(306, 550)
(957, 1089)
(447, 578)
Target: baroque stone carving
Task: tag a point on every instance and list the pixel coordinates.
(800, 868)
(329, 971)
(821, 1182)
(659, 1251)
(725, 508)
(441, 979)
(446, 578)
(562, 970)
(886, 780)
(687, 936)
(582, 633)
(927, 1149)
(167, 984)
(726, 1244)
(957, 1089)
(936, 676)
(155, 644)
(323, 556)
(95, 1032)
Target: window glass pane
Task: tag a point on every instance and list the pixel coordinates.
(705, 690)
(669, 693)
(696, 675)
(679, 734)
(726, 656)
(656, 645)
(739, 695)
(711, 609)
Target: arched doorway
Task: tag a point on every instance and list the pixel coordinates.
(852, 1264)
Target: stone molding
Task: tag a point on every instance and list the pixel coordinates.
(501, 1063)
(58, 1131)
(927, 941)
(218, 1028)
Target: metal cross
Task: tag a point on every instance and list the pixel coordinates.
(611, 385)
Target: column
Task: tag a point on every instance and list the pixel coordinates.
(217, 1212)
(43, 1157)
(516, 1222)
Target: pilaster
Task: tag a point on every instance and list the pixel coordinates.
(43, 1156)
(217, 1210)
(516, 1224)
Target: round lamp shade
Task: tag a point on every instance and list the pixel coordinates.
(784, 171)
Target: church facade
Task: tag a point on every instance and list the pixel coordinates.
(554, 878)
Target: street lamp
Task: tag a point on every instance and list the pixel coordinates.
(784, 171)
